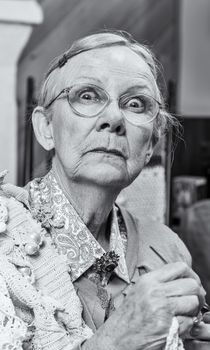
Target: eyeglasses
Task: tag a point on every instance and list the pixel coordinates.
(89, 100)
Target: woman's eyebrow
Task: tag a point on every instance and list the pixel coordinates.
(85, 77)
(138, 87)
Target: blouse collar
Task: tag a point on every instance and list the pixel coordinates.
(70, 235)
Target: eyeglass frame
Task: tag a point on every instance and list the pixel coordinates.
(109, 100)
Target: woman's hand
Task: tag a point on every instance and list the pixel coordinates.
(144, 319)
(200, 335)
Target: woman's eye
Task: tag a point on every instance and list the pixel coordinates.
(136, 104)
(88, 95)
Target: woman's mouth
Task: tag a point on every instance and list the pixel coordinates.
(111, 151)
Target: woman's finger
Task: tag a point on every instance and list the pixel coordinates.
(173, 271)
(201, 331)
(184, 305)
(206, 317)
(185, 325)
(182, 286)
(185, 286)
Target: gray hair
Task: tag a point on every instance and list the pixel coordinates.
(162, 123)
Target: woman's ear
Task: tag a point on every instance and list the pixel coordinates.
(43, 128)
(149, 153)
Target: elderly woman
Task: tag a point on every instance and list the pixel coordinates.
(101, 111)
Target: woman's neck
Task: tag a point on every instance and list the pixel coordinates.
(92, 203)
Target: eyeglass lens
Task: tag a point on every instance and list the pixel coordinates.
(90, 100)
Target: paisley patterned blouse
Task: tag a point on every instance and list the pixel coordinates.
(80, 249)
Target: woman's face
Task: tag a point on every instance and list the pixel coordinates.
(106, 150)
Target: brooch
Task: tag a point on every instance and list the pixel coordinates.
(105, 265)
(100, 273)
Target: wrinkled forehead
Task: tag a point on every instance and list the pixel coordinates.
(117, 67)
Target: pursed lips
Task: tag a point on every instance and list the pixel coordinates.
(113, 151)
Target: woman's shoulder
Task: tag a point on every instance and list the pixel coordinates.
(148, 226)
(158, 235)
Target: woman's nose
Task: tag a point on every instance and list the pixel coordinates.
(111, 120)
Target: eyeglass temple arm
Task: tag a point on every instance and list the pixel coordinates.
(55, 98)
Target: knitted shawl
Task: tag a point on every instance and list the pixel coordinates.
(39, 306)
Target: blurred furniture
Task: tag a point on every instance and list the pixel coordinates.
(186, 190)
(195, 232)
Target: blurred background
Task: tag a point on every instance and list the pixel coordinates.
(178, 31)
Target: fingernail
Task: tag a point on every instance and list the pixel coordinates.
(195, 331)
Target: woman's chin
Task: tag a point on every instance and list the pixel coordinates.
(109, 176)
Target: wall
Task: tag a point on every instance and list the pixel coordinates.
(16, 21)
(194, 77)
